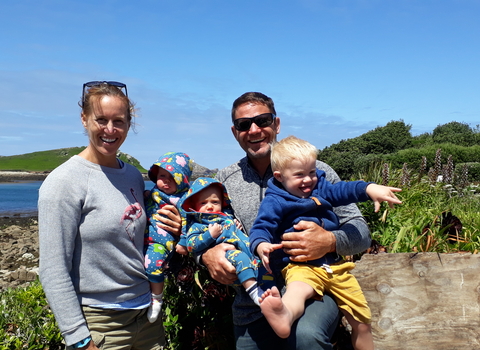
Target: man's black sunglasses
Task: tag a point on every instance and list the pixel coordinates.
(98, 83)
(262, 121)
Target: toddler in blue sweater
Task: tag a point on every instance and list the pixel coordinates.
(299, 191)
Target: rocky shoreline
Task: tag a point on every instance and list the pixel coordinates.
(18, 251)
(14, 176)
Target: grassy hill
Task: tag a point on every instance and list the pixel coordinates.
(46, 161)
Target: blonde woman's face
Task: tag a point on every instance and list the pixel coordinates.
(107, 128)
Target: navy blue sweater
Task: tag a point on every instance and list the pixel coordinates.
(280, 210)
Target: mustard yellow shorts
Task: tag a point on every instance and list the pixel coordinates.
(341, 284)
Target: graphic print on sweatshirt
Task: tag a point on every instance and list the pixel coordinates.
(131, 214)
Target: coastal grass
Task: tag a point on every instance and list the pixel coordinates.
(42, 161)
(46, 161)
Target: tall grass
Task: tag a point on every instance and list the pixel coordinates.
(420, 223)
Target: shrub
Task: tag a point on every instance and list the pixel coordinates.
(197, 310)
(26, 321)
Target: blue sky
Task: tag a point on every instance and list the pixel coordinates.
(335, 69)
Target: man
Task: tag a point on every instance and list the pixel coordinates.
(255, 127)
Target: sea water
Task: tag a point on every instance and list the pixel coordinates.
(20, 198)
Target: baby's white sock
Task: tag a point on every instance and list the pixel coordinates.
(155, 307)
(253, 292)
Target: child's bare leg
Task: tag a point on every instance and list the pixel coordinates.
(248, 283)
(282, 312)
(156, 288)
(157, 301)
(362, 338)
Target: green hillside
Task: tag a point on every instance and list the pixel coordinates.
(45, 161)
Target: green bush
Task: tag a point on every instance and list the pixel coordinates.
(197, 310)
(413, 156)
(26, 321)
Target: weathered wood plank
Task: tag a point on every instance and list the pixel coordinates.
(422, 301)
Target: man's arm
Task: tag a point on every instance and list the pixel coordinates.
(353, 235)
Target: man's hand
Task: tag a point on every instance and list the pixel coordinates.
(309, 243)
(217, 264)
(172, 221)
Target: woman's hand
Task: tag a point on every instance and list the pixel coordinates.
(90, 346)
(171, 221)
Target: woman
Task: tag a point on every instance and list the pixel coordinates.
(91, 226)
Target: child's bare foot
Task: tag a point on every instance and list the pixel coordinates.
(279, 317)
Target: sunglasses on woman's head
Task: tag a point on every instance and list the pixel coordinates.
(98, 83)
(262, 121)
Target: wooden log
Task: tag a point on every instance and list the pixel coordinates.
(422, 300)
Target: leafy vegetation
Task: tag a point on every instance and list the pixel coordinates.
(197, 309)
(46, 161)
(438, 214)
(26, 322)
(394, 144)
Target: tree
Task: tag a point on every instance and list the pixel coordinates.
(460, 134)
(387, 139)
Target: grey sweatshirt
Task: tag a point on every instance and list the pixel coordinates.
(247, 189)
(91, 226)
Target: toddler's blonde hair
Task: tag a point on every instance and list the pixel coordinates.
(290, 148)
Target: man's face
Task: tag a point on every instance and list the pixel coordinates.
(255, 141)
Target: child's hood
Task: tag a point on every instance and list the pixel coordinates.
(178, 164)
(200, 184)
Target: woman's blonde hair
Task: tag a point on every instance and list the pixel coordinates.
(290, 148)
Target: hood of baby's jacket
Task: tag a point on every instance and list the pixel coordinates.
(178, 164)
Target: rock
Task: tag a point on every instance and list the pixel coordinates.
(18, 251)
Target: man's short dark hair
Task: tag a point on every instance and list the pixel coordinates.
(253, 97)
